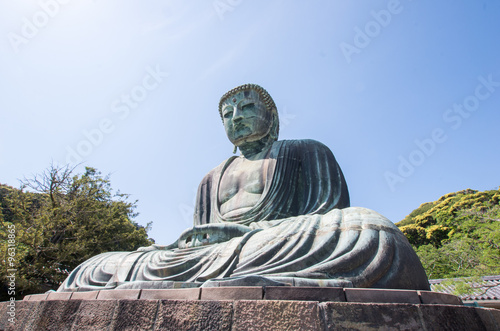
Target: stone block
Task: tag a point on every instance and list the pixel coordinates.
(3, 315)
(370, 316)
(446, 317)
(95, 315)
(57, 315)
(428, 297)
(91, 295)
(232, 293)
(26, 297)
(38, 297)
(157, 285)
(59, 296)
(495, 314)
(304, 293)
(194, 315)
(118, 294)
(487, 315)
(27, 316)
(244, 281)
(135, 315)
(244, 315)
(381, 295)
(276, 315)
(171, 294)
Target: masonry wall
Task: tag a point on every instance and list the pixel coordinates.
(137, 314)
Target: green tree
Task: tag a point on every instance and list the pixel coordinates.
(458, 235)
(61, 220)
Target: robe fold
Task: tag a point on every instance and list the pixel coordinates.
(301, 232)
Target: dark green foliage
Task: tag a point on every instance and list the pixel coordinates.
(458, 235)
(61, 220)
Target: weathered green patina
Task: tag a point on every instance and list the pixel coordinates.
(276, 215)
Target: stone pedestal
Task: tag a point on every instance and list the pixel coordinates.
(247, 308)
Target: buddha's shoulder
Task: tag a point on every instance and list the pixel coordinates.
(306, 145)
(300, 146)
(217, 171)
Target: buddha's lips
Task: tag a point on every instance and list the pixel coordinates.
(240, 126)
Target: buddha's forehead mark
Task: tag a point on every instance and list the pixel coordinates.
(242, 95)
(236, 98)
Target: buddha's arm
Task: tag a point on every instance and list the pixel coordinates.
(208, 234)
(266, 224)
(203, 235)
(155, 247)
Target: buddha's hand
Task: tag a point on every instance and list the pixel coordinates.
(208, 234)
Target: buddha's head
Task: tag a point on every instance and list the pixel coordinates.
(249, 114)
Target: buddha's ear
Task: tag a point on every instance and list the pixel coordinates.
(275, 128)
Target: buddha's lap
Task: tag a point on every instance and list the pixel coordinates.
(292, 245)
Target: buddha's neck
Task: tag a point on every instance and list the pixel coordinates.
(255, 149)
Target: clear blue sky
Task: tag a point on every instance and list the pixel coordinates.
(405, 93)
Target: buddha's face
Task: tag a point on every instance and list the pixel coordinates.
(245, 117)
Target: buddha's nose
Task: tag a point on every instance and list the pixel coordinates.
(237, 116)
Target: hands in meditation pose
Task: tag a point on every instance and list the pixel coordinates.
(276, 215)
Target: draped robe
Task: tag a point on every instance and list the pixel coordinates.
(301, 232)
